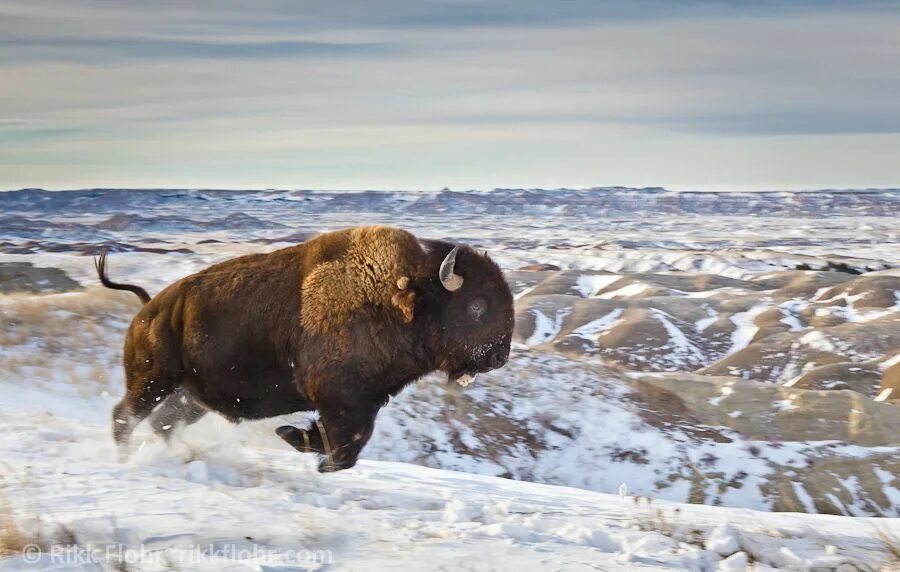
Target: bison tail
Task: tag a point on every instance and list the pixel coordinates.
(100, 265)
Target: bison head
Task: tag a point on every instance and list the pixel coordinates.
(475, 317)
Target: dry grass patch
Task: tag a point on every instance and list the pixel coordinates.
(891, 543)
(14, 536)
(77, 335)
(60, 317)
(12, 539)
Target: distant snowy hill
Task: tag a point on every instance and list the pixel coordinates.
(601, 201)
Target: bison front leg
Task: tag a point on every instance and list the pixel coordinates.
(346, 433)
(339, 435)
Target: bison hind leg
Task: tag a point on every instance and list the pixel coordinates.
(140, 400)
(123, 425)
(177, 411)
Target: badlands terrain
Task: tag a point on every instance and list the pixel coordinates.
(730, 349)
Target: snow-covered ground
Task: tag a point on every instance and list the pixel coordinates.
(621, 295)
(237, 501)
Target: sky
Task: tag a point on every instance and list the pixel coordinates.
(426, 94)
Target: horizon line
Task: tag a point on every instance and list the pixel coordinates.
(658, 189)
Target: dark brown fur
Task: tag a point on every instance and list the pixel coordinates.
(338, 325)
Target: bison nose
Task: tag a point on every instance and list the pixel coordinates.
(498, 359)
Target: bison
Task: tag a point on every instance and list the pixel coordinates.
(337, 324)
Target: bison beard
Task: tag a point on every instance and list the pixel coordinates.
(337, 325)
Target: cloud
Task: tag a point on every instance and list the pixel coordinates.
(105, 50)
(270, 92)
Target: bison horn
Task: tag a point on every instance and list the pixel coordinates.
(451, 281)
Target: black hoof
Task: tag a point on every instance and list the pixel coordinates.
(296, 438)
(325, 466)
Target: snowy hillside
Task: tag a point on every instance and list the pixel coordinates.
(245, 503)
(743, 357)
(544, 417)
(740, 351)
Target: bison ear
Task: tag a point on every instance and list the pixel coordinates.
(405, 301)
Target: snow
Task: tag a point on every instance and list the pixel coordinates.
(888, 478)
(792, 322)
(789, 311)
(597, 327)
(817, 341)
(545, 328)
(590, 284)
(220, 489)
(723, 393)
(784, 404)
(704, 323)
(884, 394)
(681, 345)
(524, 292)
(819, 293)
(625, 291)
(745, 328)
(848, 311)
(845, 296)
(737, 561)
(723, 540)
(257, 507)
(803, 497)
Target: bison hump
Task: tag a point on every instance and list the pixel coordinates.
(365, 278)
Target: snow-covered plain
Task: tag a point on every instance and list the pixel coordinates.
(228, 497)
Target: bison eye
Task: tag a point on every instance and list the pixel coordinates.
(477, 308)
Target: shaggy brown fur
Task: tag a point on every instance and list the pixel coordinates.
(372, 262)
(337, 324)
